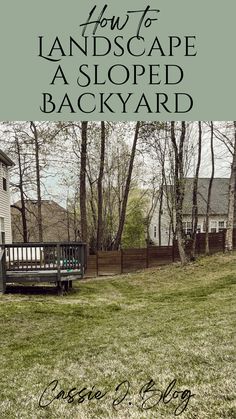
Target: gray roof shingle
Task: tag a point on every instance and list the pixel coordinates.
(219, 196)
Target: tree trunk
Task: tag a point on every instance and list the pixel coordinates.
(231, 205)
(207, 250)
(100, 196)
(117, 241)
(195, 190)
(179, 188)
(83, 161)
(92, 203)
(160, 214)
(75, 221)
(68, 220)
(38, 182)
(22, 197)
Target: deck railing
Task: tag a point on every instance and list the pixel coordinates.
(45, 256)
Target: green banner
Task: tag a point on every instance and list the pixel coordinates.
(136, 60)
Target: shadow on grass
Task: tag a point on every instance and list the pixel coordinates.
(33, 289)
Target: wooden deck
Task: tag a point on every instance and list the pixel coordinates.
(58, 263)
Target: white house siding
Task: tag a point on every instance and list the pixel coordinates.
(218, 214)
(166, 239)
(166, 233)
(5, 212)
(166, 236)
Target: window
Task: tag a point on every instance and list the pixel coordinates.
(221, 225)
(4, 183)
(204, 226)
(213, 227)
(2, 239)
(155, 232)
(187, 227)
(2, 226)
(4, 177)
(2, 231)
(199, 228)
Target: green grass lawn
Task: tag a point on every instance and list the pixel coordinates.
(159, 324)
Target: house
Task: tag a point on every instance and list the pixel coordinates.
(58, 224)
(160, 226)
(5, 213)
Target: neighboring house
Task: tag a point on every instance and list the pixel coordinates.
(5, 213)
(58, 225)
(218, 210)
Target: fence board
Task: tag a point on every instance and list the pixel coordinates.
(91, 266)
(109, 263)
(234, 238)
(129, 260)
(134, 259)
(159, 255)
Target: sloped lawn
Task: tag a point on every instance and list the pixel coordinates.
(161, 339)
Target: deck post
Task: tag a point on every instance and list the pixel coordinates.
(82, 260)
(66, 285)
(3, 270)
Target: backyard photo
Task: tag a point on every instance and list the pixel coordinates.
(118, 269)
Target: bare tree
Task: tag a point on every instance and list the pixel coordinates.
(207, 251)
(117, 241)
(83, 161)
(22, 208)
(231, 205)
(22, 174)
(179, 187)
(99, 186)
(38, 180)
(195, 190)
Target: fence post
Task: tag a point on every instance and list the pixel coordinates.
(83, 259)
(198, 244)
(223, 239)
(86, 253)
(173, 251)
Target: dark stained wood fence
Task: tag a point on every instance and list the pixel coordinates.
(216, 244)
(91, 265)
(134, 259)
(160, 255)
(109, 263)
(130, 260)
